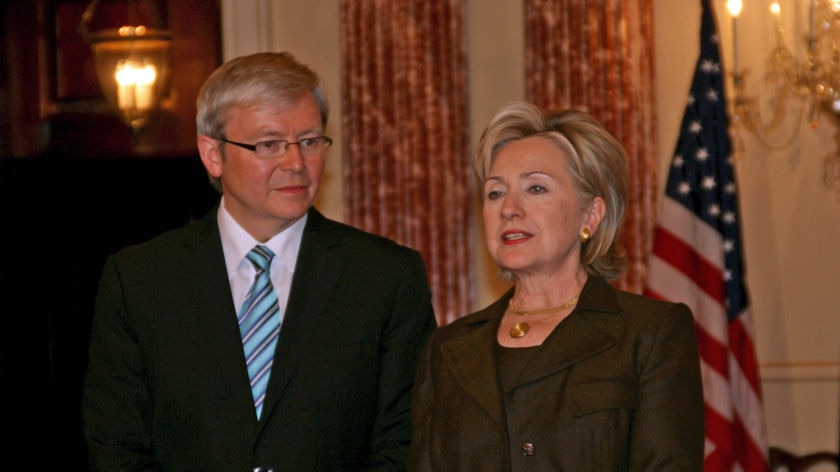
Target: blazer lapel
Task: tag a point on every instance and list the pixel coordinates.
(577, 337)
(477, 372)
(573, 341)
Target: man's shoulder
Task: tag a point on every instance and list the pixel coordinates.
(171, 241)
(354, 237)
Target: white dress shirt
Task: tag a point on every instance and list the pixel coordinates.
(236, 243)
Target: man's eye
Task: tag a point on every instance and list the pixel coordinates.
(308, 142)
(270, 146)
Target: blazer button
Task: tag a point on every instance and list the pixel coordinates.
(527, 449)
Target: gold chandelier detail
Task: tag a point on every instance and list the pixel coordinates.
(812, 81)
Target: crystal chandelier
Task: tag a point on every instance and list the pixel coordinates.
(811, 84)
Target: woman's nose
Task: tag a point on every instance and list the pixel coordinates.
(510, 207)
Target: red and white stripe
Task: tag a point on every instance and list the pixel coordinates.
(687, 266)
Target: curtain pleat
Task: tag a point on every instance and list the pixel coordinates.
(595, 55)
(406, 134)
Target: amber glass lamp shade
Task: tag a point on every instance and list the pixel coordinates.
(132, 66)
(130, 44)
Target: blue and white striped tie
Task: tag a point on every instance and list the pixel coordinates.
(259, 324)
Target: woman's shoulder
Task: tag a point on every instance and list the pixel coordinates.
(651, 313)
(634, 306)
(469, 322)
(466, 322)
(640, 301)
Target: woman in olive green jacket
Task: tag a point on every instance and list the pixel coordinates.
(563, 372)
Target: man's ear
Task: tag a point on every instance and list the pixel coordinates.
(211, 156)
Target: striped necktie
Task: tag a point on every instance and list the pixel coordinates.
(259, 324)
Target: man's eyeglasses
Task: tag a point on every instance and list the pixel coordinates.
(313, 146)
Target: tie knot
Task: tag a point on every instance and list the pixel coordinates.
(261, 257)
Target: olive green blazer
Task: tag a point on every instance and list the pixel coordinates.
(615, 387)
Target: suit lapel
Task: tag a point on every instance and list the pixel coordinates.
(208, 293)
(317, 270)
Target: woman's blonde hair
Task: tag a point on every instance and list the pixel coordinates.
(596, 161)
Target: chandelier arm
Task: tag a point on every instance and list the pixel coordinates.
(763, 134)
(748, 113)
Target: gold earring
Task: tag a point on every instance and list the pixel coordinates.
(585, 235)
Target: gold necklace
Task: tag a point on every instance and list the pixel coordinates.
(521, 328)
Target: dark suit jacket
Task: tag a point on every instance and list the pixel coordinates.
(615, 387)
(167, 388)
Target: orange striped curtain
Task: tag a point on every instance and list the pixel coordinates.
(596, 55)
(406, 131)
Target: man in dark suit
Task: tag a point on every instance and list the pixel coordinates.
(264, 336)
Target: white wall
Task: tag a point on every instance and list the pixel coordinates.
(790, 223)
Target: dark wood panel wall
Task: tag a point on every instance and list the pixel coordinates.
(75, 185)
(60, 219)
(49, 98)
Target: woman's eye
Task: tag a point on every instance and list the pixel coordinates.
(493, 194)
(537, 189)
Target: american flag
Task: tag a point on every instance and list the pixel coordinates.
(697, 260)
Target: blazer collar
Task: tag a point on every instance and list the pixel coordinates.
(579, 336)
(471, 353)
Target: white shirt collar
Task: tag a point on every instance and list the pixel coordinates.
(236, 242)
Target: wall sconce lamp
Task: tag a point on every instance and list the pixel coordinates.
(813, 81)
(131, 55)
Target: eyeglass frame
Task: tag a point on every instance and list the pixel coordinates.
(253, 147)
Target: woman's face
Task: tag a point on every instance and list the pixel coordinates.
(532, 213)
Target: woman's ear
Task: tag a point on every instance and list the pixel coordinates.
(211, 156)
(595, 214)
